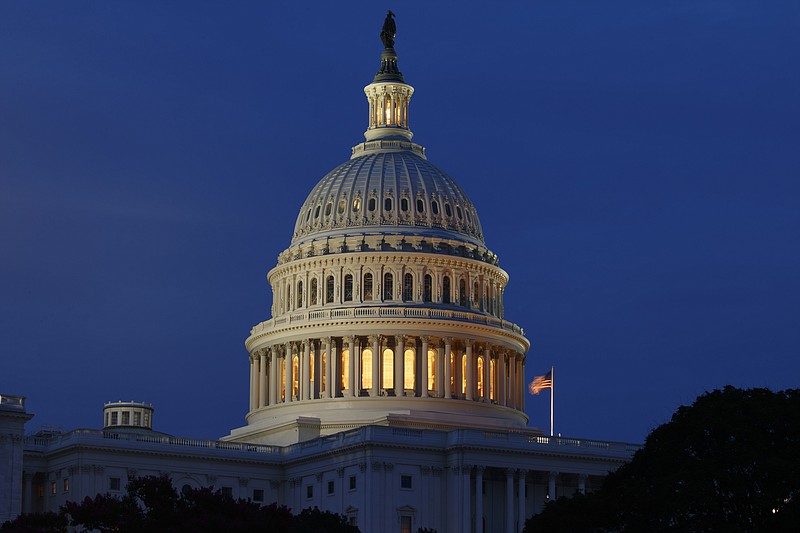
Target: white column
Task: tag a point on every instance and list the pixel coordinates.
(274, 376)
(351, 366)
(521, 383)
(479, 499)
(398, 366)
(509, 500)
(289, 381)
(357, 369)
(333, 368)
(326, 349)
(521, 513)
(376, 365)
(307, 392)
(501, 378)
(470, 364)
(424, 373)
(551, 485)
(466, 512)
(447, 367)
(487, 374)
(253, 386)
(262, 378)
(512, 381)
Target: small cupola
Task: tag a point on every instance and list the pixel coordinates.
(121, 414)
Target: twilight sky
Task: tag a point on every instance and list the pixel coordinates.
(635, 165)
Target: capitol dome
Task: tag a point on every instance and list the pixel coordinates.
(387, 306)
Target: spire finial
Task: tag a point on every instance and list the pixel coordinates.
(389, 30)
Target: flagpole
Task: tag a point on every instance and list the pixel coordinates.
(552, 393)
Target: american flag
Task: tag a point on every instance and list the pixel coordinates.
(540, 383)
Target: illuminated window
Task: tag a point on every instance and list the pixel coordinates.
(348, 288)
(366, 368)
(408, 369)
(53, 488)
(299, 294)
(480, 377)
(427, 291)
(420, 206)
(345, 366)
(388, 292)
(387, 204)
(462, 293)
(314, 291)
(311, 371)
(452, 372)
(329, 290)
(388, 368)
(66, 484)
(431, 369)
(446, 290)
(404, 204)
(295, 375)
(405, 524)
(323, 370)
(463, 374)
(408, 287)
(283, 379)
(492, 377)
(367, 287)
(356, 204)
(340, 209)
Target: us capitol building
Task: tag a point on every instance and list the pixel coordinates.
(387, 385)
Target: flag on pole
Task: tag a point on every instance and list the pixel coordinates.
(540, 383)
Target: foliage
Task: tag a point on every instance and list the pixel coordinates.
(728, 462)
(426, 530)
(152, 504)
(36, 523)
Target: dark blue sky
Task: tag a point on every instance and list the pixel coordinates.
(635, 166)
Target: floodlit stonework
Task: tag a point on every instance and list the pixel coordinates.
(387, 385)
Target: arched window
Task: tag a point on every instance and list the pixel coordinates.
(431, 369)
(427, 290)
(447, 210)
(387, 204)
(462, 293)
(458, 212)
(476, 297)
(388, 282)
(348, 288)
(371, 204)
(409, 365)
(313, 291)
(435, 207)
(328, 208)
(344, 364)
(299, 294)
(420, 206)
(366, 368)
(388, 369)
(404, 204)
(316, 212)
(408, 287)
(329, 290)
(446, 290)
(367, 286)
(340, 209)
(356, 204)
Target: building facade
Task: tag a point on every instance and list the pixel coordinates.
(387, 385)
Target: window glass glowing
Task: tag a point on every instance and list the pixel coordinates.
(366, 368)
(388, 369)
(356, 204)
(345, 366)
(409, 365)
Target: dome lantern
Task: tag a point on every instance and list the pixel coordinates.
(388, 94)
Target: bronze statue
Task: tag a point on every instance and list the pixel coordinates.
(388, 31)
